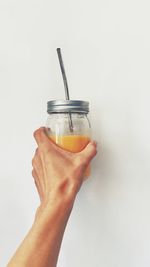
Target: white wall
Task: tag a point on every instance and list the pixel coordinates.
(106, 49)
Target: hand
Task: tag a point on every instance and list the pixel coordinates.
(58, 173)
(58, 176)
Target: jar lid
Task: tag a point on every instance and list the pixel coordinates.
(64, 106)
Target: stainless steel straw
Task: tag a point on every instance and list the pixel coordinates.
(65, 84)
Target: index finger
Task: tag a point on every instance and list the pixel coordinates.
(42, 140)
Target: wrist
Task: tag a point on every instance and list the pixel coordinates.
(55, 204)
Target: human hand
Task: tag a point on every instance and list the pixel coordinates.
(58, 176)
(58, 173)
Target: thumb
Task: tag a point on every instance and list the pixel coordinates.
(42, 139)
(89, 152)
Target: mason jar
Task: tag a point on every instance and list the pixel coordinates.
(68, 125)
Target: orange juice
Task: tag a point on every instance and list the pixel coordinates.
(72, 143)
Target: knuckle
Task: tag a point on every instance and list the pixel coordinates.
(37, 151)
(33, 162)
(33, 173)
(36, 133)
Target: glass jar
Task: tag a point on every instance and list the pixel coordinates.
(68, 125)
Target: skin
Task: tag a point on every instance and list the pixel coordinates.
(58, 175)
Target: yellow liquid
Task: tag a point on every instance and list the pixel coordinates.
(72, 143)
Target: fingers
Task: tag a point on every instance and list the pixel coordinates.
(40, 136)
(37, 184)
(43, 141)
(34, 174)
(37, 163)
(89, 152)
(37, 173)
(45, 144)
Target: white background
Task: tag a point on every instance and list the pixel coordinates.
(106, 49)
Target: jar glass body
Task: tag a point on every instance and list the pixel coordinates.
(72, 139)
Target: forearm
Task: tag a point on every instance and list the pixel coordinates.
(41, 246)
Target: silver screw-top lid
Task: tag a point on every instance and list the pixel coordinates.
(67, 106)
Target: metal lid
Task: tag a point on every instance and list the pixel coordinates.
(62, 106)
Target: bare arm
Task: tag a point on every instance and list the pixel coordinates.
(58, 176)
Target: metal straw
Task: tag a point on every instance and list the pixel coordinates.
(65, 84)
